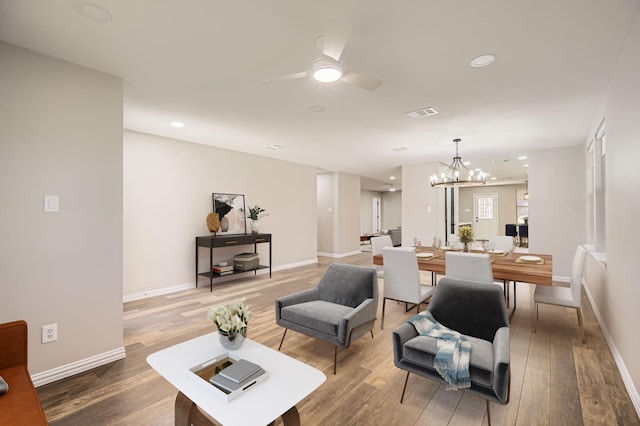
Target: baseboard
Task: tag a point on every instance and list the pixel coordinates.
(339, 255)
(561, 278)
(191, 285)
(624, 372)
(156, 292)
(77, 367)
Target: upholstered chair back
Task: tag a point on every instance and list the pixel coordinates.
(348, 285)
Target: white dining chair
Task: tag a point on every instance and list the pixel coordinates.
(500, 242)
(468, 267)
(454, 241)
(568, 297)
(402, 278)
(377, 244)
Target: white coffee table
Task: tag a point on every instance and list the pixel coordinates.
(289, 382)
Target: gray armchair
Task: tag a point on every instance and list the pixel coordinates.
(477, 311)
(339, 310)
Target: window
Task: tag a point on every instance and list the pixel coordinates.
(485, 208)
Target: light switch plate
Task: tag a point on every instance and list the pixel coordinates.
(51, 204)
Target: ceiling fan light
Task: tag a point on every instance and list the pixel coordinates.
(326, 73)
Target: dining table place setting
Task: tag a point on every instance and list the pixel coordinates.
(530, 259)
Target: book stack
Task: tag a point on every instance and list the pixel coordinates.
(222, 269)
(238, 377)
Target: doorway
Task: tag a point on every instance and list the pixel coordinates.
(485, 212)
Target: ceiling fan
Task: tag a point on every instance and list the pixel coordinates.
(327, 68)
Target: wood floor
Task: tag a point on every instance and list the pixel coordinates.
(556, 380)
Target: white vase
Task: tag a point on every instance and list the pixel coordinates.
(254, 226)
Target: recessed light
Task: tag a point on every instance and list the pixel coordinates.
(478, 170)
(522, 157)
(92, 11)
(483, 60)
(177, 124)
(392, 177)
(487, 174)
(274, 147)
(525, 165)
(317, 108)
(494, 178)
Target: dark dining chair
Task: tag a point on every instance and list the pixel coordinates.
(524, 235)
(511, 230)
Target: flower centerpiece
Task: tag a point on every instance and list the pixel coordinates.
(254, 213)
(232, 321)
(466, 236)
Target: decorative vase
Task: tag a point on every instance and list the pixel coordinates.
(213, 222)
(466, 247)
(254, 226)
(232, 342)
(224, 224)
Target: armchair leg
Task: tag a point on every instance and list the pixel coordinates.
(335, 359)
(488, 413)
(371, 333)
(384, 299)
(404, 388)
(581, 325)
(285, 333)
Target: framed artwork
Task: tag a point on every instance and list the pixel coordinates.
(231, 211)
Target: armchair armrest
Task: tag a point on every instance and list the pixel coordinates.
(501, 369)
(361, 314)
(400, 336)
(293, 299)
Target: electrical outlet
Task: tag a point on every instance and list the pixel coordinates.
(49, 333)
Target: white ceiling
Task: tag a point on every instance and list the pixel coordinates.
(202, 62)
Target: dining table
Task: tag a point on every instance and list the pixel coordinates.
(530, 268)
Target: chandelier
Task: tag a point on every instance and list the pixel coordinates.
(457, 174)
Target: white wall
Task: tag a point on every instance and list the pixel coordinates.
(339, 201)
(391, 209)
(422, 205)
(61, 134)
(557, 190)
(617, 296)
(167, 196)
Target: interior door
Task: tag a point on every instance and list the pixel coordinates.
(485, 211)
(376, 219)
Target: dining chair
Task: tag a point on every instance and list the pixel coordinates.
(568, 297)
(402, 279)
(524, 235)
(474, 267)
(377, 244)
(454, 241)
(511, 230)
(499, 242)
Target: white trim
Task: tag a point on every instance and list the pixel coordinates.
(339, 255)
(561, 278)
(189, 286)
(68, 370)
(622, 368)
(157, 292)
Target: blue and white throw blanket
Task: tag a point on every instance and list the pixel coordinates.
(453, 351)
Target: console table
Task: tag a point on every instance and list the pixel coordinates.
(211, 242)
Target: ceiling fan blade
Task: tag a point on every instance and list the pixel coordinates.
(361, 80)
(286, 77)
(336, 38)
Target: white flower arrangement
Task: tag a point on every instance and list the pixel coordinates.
(231, 319)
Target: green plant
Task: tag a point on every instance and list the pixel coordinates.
(256, 212)
(231, 319)
(466, 234)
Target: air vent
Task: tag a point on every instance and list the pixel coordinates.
(424, 112)
(402, 149)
